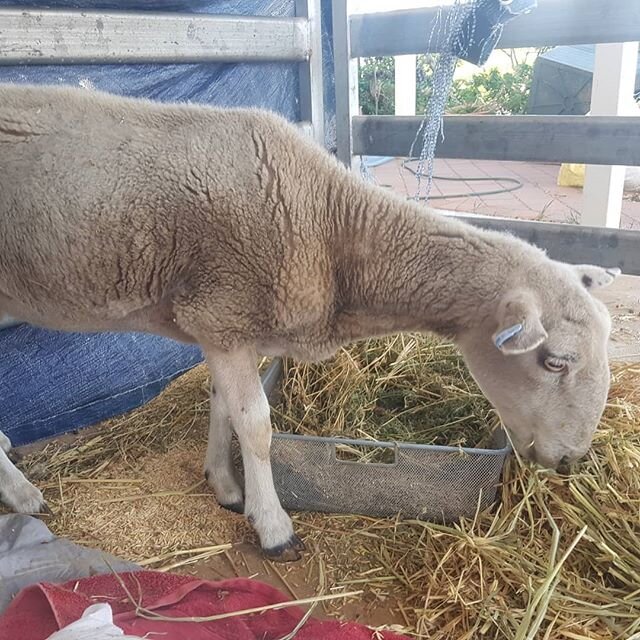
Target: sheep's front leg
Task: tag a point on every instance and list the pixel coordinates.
(237, 381)
(15, 490)
(218, 466)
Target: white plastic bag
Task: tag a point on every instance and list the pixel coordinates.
(96, 623)
(30, 553)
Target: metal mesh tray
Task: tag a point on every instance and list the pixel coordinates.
(415, 481)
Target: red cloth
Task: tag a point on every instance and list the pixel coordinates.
(39, 611)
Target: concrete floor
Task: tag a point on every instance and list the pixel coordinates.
(623, 301)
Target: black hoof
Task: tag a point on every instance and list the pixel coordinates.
(298, 544)
(236, 507)
(290, 551)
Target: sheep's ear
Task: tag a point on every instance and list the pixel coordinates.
(593, 277)
(519, 326)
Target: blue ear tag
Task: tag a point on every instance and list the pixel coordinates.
(507, 334)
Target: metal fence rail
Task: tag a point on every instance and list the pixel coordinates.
(59, 36)
(570, 243)
(52, 36)
(553, 22)
(45, 36)
(594, 140)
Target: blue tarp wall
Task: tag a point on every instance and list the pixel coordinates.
(53, 382)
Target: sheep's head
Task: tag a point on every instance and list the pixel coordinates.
(541, 359)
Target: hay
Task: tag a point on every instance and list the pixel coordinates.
(134, 517)
(125, 486)
(558, 559)
(405, 389)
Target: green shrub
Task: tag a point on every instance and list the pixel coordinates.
(488, 91)
(377, 85)
(491, 91)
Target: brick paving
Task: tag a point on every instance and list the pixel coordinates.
(540, 198)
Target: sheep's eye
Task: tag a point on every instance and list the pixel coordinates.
(555, 365)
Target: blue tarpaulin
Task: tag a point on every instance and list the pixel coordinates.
(53, 382)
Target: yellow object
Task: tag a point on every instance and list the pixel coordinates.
(571, 175)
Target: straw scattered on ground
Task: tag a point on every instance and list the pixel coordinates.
(558, 559)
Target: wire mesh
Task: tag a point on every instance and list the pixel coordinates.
(420, 481)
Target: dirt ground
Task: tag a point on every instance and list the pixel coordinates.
(246, 560)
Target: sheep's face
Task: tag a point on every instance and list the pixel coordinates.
(542, 361)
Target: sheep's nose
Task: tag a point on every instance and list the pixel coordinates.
(561, 464)
(543, 460)
(559, 461)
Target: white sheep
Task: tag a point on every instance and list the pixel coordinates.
(231, 229)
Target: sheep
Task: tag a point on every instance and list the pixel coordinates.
(230, 229)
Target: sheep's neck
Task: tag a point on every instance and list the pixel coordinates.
(405, 269)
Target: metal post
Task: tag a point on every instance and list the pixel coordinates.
(405, 85)
(346, 82)
(311, 71)
(612, 90)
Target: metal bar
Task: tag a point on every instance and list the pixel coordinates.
(575, 244)
(311, 72)
(585, 139)
(553, 22)
(346, 82)
(46, 36)
(399, 446)
(614, 76)
(404, 78)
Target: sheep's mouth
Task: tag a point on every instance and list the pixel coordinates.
(564, 466)
(525, 451)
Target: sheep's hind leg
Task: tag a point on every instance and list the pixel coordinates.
(218, 467)
(15, 490)
(237, 381)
